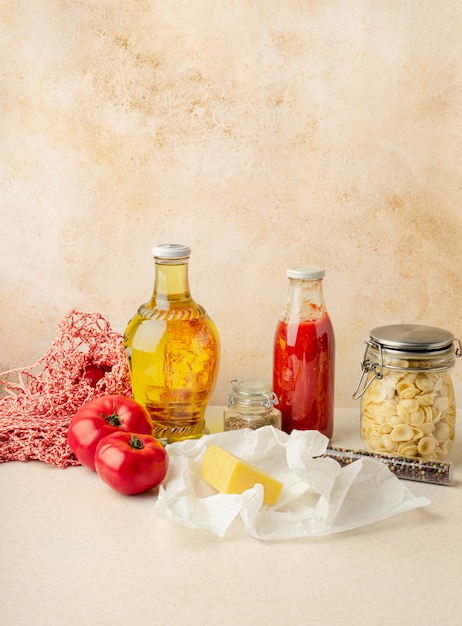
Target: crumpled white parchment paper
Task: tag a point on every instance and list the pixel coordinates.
(319, 496)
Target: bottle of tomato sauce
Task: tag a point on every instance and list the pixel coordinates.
(304, 355)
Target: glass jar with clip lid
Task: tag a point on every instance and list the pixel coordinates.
(251, 404)
(407, 395)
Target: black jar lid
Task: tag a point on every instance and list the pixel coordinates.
(412, 337)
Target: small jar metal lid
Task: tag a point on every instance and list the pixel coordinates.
(412, 337)
(171, 251)
(306, 272)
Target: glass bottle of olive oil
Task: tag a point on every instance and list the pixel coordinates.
(173, 350)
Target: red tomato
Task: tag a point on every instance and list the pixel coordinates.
(131, 463)
(101, 417)
(92, 374)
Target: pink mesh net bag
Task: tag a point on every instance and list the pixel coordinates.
(38, 402)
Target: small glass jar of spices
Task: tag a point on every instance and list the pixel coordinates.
(251, 404)
(407, 395)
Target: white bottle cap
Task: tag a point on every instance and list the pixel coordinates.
(171, 251)
(305, 272)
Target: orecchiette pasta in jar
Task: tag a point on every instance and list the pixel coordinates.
(407, 395)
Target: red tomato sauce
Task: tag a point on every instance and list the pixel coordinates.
(303, 374)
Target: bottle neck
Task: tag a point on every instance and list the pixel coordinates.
(171, 280)
(305, 300)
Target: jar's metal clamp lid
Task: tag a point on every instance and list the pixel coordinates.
(252, 393)
(368, 366)
(402, 340)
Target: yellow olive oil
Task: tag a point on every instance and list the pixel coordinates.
(173, 351)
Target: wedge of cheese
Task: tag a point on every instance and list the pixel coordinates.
(230, 474)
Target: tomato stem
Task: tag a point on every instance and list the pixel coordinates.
(136, 442)
(113, 419)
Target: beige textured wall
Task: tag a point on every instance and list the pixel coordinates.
(263, 133)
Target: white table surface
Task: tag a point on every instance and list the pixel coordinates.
(72, 551)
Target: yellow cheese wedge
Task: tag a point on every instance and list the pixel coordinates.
(230, 474)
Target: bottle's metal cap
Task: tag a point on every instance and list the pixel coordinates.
(305, 272)
(171, 251)
(412, 337)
